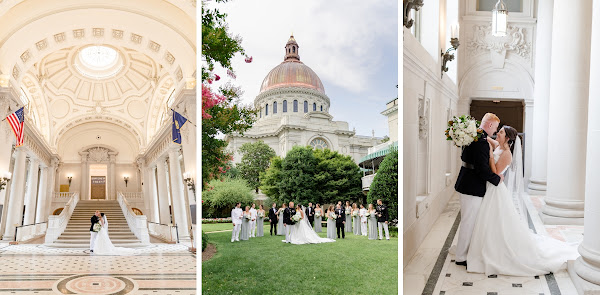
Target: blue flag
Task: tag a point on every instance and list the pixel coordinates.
(178, 122)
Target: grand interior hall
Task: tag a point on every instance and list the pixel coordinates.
(534, 64)
(100, 87)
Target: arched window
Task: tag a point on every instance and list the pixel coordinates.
(274, 107)
(306, 106)
(321, 108)
(314, 107)
(285, 106)
(319, 143)
(260, 113)
(295, 106)
(267, 110)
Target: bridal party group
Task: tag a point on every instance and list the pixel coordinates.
(371, 222)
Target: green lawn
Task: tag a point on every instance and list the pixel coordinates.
(265, 265)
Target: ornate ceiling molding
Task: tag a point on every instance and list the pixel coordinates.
(515, 41)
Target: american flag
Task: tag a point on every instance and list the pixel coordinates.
(16, 120)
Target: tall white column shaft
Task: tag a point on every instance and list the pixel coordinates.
(153, 191)
(17, 195)
(179, 204)
(83, 193)
(113, 178)
(163, 193)
(567, 125)
(588, 265)
(32, 191)
(539, 136)
(42, 195)
(51, 189)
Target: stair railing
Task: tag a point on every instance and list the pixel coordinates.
(30, 231)
(165, 232)
(137, 223)
(58, 224)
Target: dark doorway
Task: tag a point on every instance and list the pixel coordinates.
(510, 112)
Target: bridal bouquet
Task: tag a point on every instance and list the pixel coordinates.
(463, 130)
(296, 218)
(367, 214)
(247, 216)
(317, 214)
(97, 227)
(354, 214)
(260, 214)
(332, 216)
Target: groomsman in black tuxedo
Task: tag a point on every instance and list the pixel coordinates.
(287, 221)
(273, 218)
(310, 212)
(340, 221)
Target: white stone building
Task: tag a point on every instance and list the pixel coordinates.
(541, 78)
(294, 110)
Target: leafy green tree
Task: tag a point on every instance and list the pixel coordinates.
(221, 114)
(385, 185)
(222, 196)
(337, 176)
(256, 157)
(298, 170)
(270, 179)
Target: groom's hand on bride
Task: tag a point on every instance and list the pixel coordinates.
(501, 178)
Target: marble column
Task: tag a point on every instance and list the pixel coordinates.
(179, 203)
(585, 271)
(539, 135)
(113, 177)
(42, 195)
(84, 178)
(163, 193)
(568, 110)
(57, 177)
(153, 195)
(52, 176)
(17, 195)
(32, 191)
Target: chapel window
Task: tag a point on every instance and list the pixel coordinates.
(295, 106)
(306, 106)
(266, 110)
(285, 106)
(274, 107)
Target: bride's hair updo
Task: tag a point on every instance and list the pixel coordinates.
(511, 136)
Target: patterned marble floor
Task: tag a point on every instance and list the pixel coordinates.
(35, 269)
(431, 271)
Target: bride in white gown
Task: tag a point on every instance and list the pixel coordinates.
(302, 232)
(501, 242)
(104, 246)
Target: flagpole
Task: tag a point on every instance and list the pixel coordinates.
(187, 120)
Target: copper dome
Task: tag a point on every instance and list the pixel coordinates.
(292, 72)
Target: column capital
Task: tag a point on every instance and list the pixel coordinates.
(84, 156)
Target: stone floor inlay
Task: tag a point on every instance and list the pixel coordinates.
(34, 269)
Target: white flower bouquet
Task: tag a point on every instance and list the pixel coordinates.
(463, 130)
(367, 214)
(354, 214)
(97, 227)
(296, 218)
(247, 216)
(348, 212)
(332, 216)
(317, 214)
(261, 214)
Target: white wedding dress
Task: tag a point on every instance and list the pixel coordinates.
(302, 233)
(503, 244)
(103, 245)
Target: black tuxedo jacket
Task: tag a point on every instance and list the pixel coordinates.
(94, 220)
(473, 181)
(341, 216)
(273, 214)
(287, 215)
(382, 209)
(311, 215)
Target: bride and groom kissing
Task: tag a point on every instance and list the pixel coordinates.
(493, 238)
(299, 231)
(100, 243)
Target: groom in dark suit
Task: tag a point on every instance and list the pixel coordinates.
(340, 221)
(310, 213)
(95, 219)
(471, 183)
(287, 221)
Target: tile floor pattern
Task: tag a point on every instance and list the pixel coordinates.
(454, 279)
(35, 269)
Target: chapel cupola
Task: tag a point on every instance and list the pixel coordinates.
(291, 50)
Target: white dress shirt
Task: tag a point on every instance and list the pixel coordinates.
(236, 215)
(363, 217)
(253, 214)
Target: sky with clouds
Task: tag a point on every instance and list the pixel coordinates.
(351, 45)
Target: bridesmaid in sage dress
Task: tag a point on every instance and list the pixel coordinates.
(280, 229)
(245, 234)
(372, 223)
(318, 219)
(356, 220)
(331, 223)
(348, 225)
(260, 222)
